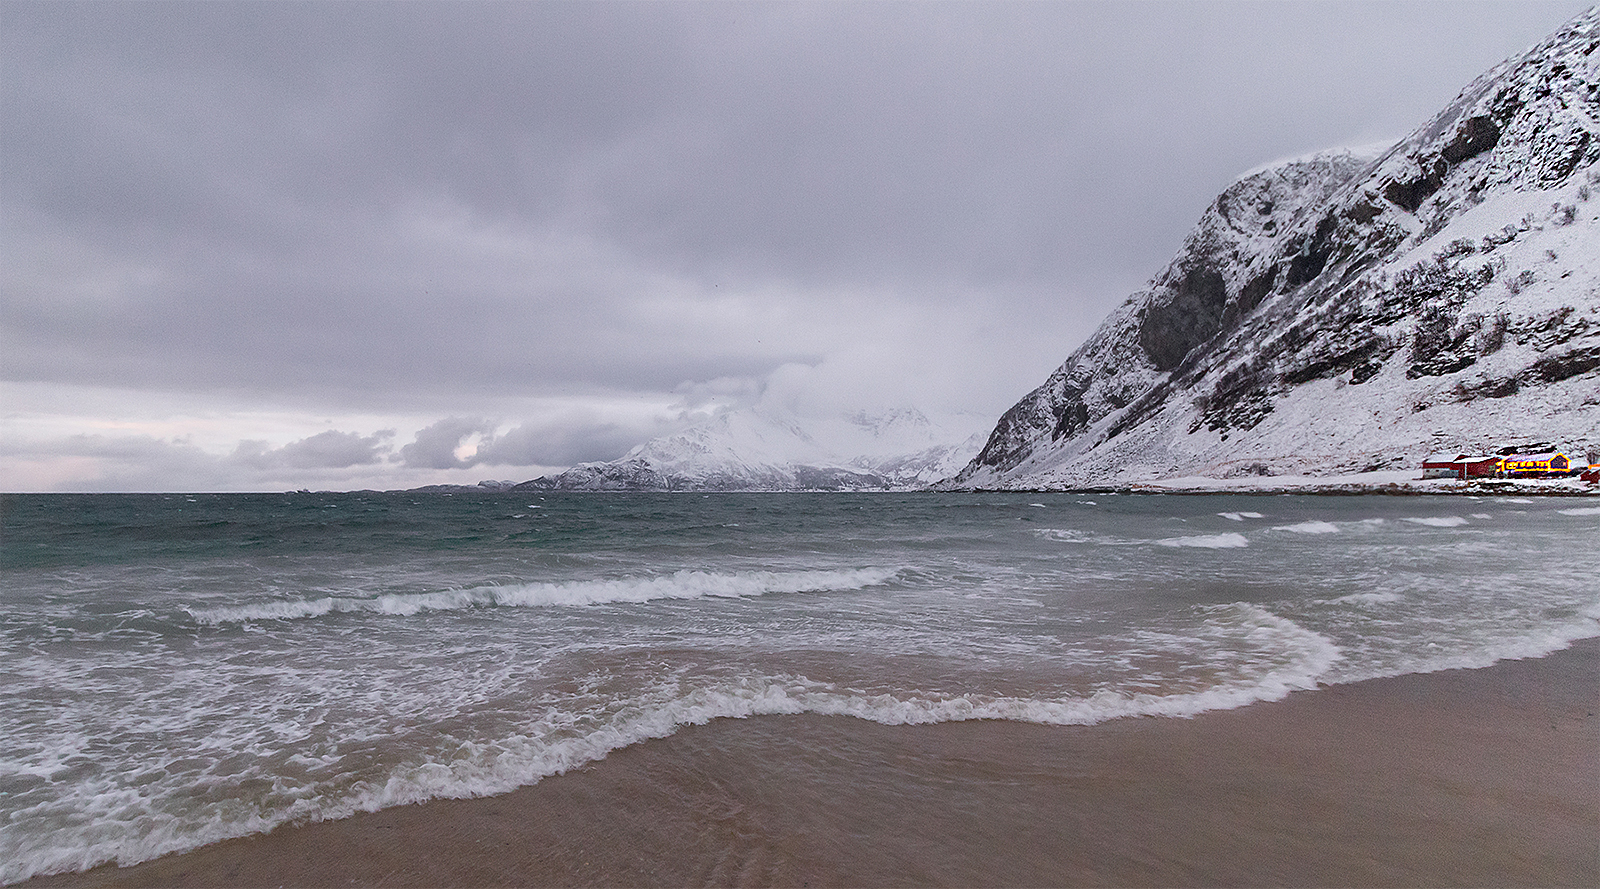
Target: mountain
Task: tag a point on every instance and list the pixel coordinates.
(1353, 311)
(758, 449)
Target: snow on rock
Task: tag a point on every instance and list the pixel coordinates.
(762, 449)
(1353, 310)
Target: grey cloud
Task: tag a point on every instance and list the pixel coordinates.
(561, 440)
(435, 446)
(557, 445)
(325, 450)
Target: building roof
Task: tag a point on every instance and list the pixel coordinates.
(1534, 458)
(1444, 457)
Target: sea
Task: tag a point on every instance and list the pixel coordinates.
(180, 669)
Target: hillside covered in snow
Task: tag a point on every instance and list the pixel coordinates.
(1351, 312)
(761, 449)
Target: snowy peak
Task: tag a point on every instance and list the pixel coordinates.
(1445, 287)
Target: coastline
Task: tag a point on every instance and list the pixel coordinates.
(1461, 777)
(1399, 483)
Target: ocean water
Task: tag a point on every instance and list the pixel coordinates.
(179, 669)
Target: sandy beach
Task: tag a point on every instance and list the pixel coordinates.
(1460, 778)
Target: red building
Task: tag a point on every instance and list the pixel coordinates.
(1462, 466)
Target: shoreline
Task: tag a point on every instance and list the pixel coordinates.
(1461, 777)
(1402, 483)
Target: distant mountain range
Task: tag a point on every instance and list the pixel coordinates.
(1355, 311)
(757, 449)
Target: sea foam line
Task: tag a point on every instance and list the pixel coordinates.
(686, 584)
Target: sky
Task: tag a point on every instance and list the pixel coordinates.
(271, 246)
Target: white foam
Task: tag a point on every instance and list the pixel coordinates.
(1448, 521)
(1240, 516)
(1367, 599)
(1582, 510)
(1207, 541)
(679, 585)
(1311, 527)
(1073, 535)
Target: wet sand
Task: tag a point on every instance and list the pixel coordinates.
(1462, 778)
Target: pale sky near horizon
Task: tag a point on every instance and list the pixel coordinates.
(264, 246)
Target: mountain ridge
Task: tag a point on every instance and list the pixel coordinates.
(1336, 312)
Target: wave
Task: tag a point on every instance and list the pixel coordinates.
(1240, 516)
(1311, 527)
(1582, 510)
(1288, 658)
(1073, 535)
(1208, 541)
(678, 585)
(1384, 598)
(1228, 540)
(1448, 521)
(561, 740)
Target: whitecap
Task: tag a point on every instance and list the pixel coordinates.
(1582, 510)
(1207, 541)
(1240, 516)
(1311, 527)
(1447, 521)
(1366, 599)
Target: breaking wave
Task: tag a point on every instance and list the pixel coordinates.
(1288, 658)
(678, 585)
(1207, 541)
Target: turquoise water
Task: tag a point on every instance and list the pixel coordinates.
(178, 669)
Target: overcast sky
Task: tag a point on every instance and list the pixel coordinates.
(344, 245)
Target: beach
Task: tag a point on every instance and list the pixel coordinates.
(1483, 777)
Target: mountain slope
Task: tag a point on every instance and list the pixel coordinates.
(1346, 311)
(768, 450)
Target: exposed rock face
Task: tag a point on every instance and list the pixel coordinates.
(1349, 310)
(764, 450)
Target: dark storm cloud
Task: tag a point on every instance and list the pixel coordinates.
(382, 200)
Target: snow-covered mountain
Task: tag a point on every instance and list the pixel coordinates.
(1351, 311)
(760, 449)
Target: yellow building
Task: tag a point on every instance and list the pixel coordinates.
(1529, 465)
